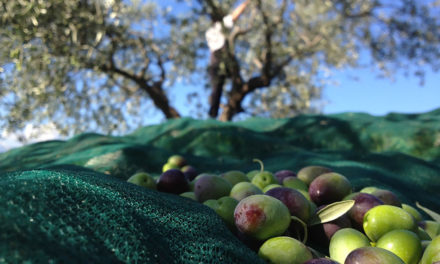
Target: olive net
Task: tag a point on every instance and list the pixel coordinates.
(68, 201)
(78, 216)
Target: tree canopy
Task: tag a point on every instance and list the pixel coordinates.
(106, 65)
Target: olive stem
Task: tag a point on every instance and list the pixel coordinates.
(261, 164)
(304, 225)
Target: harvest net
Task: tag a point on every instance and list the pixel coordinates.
(68, 201)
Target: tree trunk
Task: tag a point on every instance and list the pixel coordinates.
(159, 98)
(238, 93)
(233, 107)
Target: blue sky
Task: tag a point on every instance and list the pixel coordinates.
(359, 90)
(378, 96)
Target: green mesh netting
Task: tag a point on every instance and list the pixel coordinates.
(86, 214)
(78, 216)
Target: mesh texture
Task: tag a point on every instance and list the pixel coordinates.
(78, 216)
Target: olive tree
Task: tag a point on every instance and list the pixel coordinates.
(106, 64)
(89, 64)
(280, 51)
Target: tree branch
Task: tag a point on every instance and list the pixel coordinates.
(267, 60)
(236, 32)
(156, 49)
(154, 90)
(239, 88)
(147, 60)
(216, 13)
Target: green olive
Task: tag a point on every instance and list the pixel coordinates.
(382, 219)
(261, 216)
(432, 252)
(284, 249)
(345, 241)
(404, 243)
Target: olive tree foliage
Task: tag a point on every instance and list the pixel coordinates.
(89, 64)
(105, 64)
(282, 52)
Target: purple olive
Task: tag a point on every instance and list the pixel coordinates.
(172, 181)
(329, 188)
(282, 174)
(190, 172)
(295, 201)
(387, 197)
(366, 255)
(362, 203)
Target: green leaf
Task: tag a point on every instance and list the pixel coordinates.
(331, 212)
(431, 213)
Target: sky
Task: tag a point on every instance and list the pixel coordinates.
(377, 96)
(358, 90)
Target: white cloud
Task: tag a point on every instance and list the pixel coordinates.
(30, 134)
(40, 133)
(8, 141)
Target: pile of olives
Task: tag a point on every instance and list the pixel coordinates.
(309, 216)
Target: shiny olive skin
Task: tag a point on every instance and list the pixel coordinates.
(431, 254)
(345, 241)
(264, 178)
(309, 173)
(382, 219)
(297, 204)
(387, 197)
(362, 203)
(172, 181)
(328, 188)
(242, 190)
(234, 177)
(404, 243)
(295, 183)
(224, 207)
(261, 216)
(372, 255)
(211, 187)
(282, 174)
(413, 211)
(284, 250)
